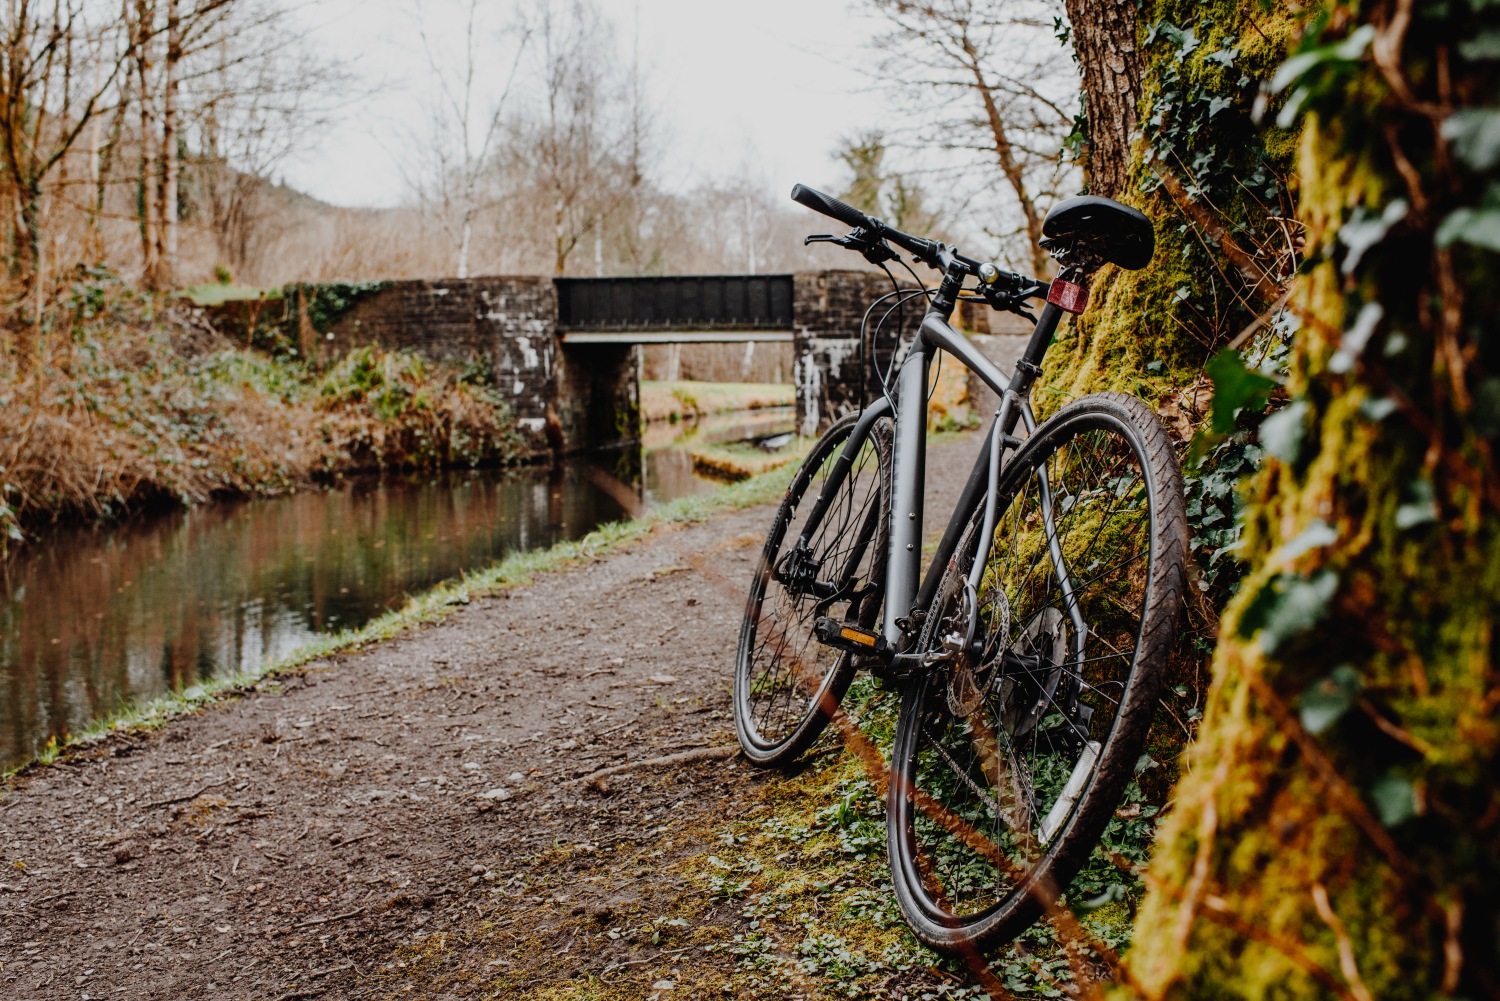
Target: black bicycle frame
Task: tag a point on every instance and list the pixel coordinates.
(903, 594)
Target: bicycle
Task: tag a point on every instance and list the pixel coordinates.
(1029, 656)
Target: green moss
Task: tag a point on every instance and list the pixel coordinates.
(1371, 832)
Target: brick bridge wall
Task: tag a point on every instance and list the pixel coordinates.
(576, 396)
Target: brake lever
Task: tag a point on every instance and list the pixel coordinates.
(873, 249)
(1007, 301)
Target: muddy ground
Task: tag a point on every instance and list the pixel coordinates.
(424, 818)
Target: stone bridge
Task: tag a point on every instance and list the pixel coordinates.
(567, 351)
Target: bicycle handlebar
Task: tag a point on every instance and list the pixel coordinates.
(926, 251)
(930, 252)
(833, 208)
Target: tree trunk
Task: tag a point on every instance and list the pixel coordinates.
(1150, 332)
(171, 162)
(1337, 833)
(144, 22)
(1104, 38)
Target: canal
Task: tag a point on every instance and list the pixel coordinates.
(93, 619)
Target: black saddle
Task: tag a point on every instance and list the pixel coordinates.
(1090, 226)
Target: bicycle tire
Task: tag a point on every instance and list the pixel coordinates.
(786, 683)
(983, 831)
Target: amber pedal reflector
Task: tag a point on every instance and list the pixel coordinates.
(855, 636)
(1066, 295)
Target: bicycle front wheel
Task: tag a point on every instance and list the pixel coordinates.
(1013, 750)
(786, 683)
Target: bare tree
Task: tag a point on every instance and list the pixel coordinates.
(988, 82)
(569, 155)
(255, 91)
(58, 64)
(449, 172)
(877, 189)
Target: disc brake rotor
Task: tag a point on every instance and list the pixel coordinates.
(1024, 697)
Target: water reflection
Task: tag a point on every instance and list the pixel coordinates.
(93, 618)
(669, 448)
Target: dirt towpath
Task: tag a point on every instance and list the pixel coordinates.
(418, 819)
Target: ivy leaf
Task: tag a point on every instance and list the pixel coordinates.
(1287, 607)
(1353, 342)
(1315, 536)
(1218, 104)
(1235, 387)
(1283, 432)
(1476, 227)
(1346, 50)
(1326, 701)
(1112, 893)
(1395, 799)
(1378, 409)
(1295, 70)
(1483, 47)
(1224, 57)
(1421, 509)
(1187, 42)
(1475, 135)
(1363, 230)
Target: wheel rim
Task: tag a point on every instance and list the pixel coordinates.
(787, 676)
(996, 791)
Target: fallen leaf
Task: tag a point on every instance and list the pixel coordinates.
(662, 679)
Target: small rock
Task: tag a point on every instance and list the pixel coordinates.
(568, 745)
(516, 777)
(662, 679)
(500, 794)
(663, 985)
(124, 853)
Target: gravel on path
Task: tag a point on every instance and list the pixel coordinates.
(316, 837)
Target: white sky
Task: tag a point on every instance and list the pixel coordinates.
(763, 84)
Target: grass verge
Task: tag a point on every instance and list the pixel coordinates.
(807, 864)
(737, 460)
(684, 400)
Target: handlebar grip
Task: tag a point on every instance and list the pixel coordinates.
(832, 207)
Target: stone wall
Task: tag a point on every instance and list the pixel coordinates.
(827, 308)
(575, 397)
(508, 322)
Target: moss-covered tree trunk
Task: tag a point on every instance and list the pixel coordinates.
(1193, 160)
(1338, 831)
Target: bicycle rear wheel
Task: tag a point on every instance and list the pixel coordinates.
(1013, 750)
(786, 683)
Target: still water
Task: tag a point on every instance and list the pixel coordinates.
(94, 618)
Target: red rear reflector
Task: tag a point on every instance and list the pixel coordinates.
(1066, 295)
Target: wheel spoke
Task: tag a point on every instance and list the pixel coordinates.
(1024, 755)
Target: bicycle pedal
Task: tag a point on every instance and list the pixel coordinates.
(843, 636)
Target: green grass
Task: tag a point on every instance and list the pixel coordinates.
(739, 460)
(675, 401)
(445, 599)
(212, 293)
(807, 863)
